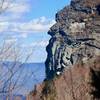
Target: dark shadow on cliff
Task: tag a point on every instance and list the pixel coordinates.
(95, 83)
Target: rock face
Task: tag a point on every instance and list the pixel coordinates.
(75, 37)
(73, 52)
(80, 82)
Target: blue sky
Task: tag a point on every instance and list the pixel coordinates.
(26, 23)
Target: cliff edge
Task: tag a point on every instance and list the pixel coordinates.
(74, 37)
(73, 60)
(80, 82)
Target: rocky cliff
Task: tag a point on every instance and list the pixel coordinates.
(73, 60)
(75, 36)
(80, 82)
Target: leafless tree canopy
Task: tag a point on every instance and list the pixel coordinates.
(11, 77)
(4, 5)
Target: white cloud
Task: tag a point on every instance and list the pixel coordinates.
(42, 43)
(14, 10)
(4, 26)
(23, 35)
(18, 36)
(38, 25)
(19, 8)
(41, 24)
(16, 6)
(11, 21)
(11, 40)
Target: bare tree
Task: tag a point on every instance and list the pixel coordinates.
(11, 77)
(4, 5)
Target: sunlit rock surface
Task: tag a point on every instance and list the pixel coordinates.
(75, 36)
(73, 60)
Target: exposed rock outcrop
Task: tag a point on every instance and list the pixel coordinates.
(80, 82)
(74, 37)
(73, 60)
